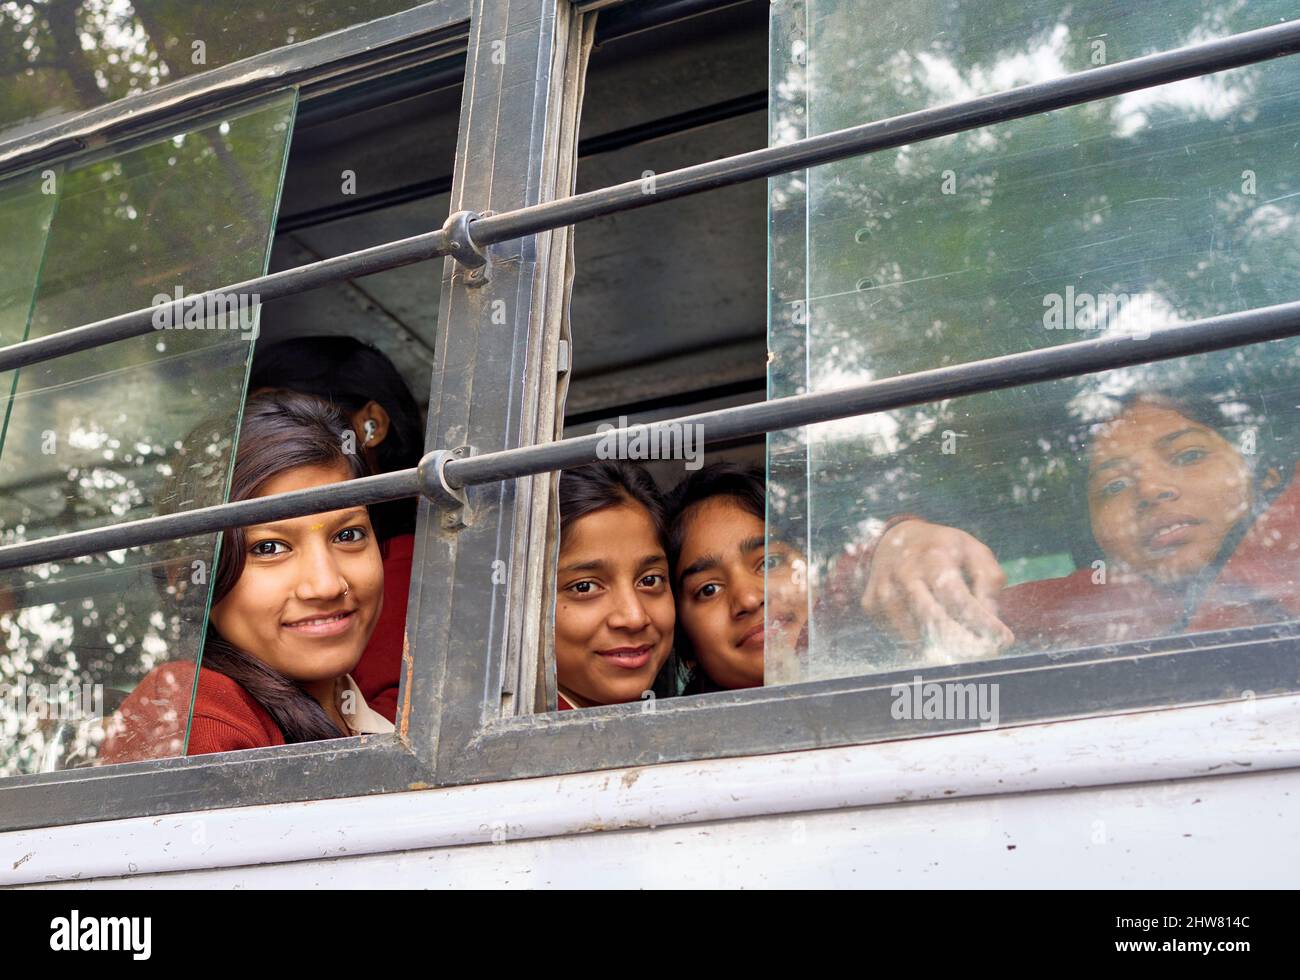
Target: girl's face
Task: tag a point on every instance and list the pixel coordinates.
(289, 608)
(614, 612)
(721, 583)
(1164, 491)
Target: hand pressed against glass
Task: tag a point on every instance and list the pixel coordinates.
(310, 593)
(1164, 491)
(614, 612)
(724, 558)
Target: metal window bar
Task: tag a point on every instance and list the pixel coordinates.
(913, 127)
(465, 236)
(444, 478)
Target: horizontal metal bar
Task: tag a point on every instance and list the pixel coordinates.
(991, 374)
(207, 520)
(912, 127)
(140, 322)
(359, 51)
(1096, 83)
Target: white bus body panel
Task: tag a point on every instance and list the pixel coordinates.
(1199, 797)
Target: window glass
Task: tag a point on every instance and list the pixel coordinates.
(1131, 505)
(129, 430)
(64, 57)
(28, 203)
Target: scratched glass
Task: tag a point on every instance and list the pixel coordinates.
(1126, 506)
(128, 430)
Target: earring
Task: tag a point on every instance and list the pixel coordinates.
(369, 428)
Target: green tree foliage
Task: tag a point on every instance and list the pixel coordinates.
(1183, 197)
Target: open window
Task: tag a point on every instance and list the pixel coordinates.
(234, 184)
(139, 428)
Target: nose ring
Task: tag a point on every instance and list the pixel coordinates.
(346, 588)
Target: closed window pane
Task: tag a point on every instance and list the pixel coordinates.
(61, 58)
(129, 430)
(1133, 505)
(27, 204)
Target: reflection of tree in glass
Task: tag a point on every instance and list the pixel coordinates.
(59, 57)
(97, 438)
(1181, 199)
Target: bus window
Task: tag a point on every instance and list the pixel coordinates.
(76, 56)
(1108, 509)
(129, 430)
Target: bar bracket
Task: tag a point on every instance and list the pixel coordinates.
(471, 257)
(452, 502)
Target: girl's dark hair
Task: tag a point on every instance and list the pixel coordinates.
(350, 374)
(1224, 412)
(281, 431)
(609, 483)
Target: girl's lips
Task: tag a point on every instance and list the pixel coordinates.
(333, 624)
(752, 640)
(629, 658)
(1171, 534)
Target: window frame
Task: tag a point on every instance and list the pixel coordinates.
(495, 107)
(477, 744)
(463, 629)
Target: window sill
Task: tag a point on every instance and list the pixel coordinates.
(1168, 744)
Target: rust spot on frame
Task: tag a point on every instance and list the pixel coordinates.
(408, 665)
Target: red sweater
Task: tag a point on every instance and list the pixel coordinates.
(380, 669)
(150, 724)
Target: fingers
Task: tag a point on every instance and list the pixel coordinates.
(883, 603)
(937, 583)
(963, 604)
(945, 638)
(986, 576)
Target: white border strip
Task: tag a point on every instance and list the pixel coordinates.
(1179, 743)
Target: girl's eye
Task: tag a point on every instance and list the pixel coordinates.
(772, 561)
(707, 591)
(585, 587)
(1113, 488)
(1189, 456)
(266, 549)
(652, 581)
(354, 535)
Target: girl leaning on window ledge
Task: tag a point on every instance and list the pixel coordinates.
(294, 604)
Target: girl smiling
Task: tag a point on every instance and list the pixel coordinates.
(741, 592)
(614, 613)
(293, 606)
